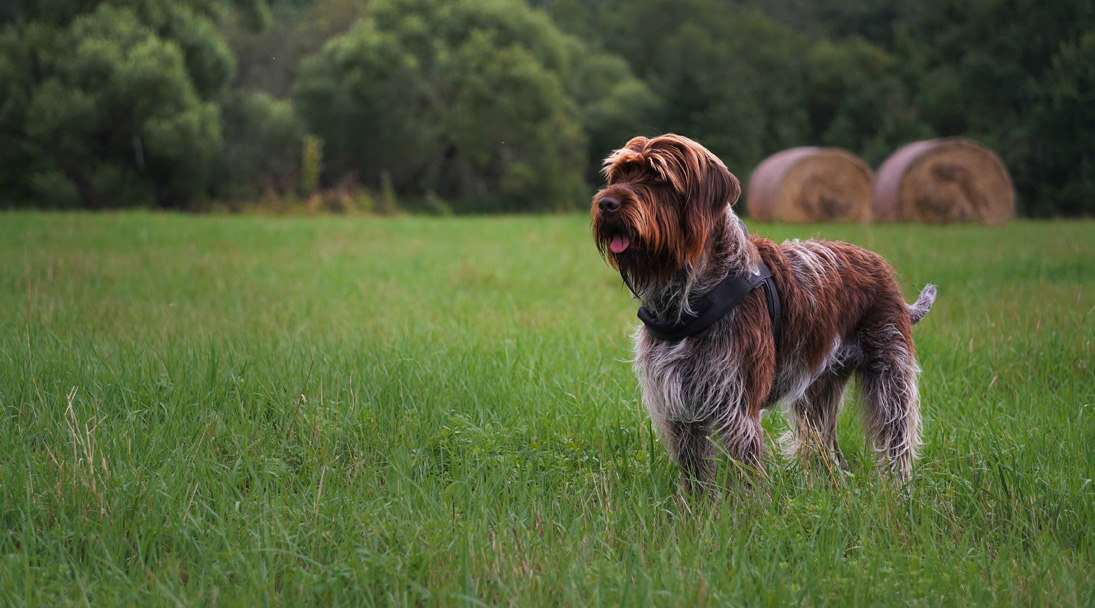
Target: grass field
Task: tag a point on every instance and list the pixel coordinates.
(270, 411)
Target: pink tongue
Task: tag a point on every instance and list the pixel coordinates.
(619, 244)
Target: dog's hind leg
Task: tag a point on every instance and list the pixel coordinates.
(814, 418)
(891, 399)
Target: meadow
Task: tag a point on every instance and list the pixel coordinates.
(241, 411)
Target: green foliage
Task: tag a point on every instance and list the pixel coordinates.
(486, 105)
(465, 99)
(747, 86)
(855, 100)
(120, 106)
(979, 69)
(268, 60)
(870, 75)
(615, 104)
(255, 15)
(263, 139)
(311, 163)
(1067, 125)
(697, 69)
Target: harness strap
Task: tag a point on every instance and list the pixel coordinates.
(774, 310)
(717, 303)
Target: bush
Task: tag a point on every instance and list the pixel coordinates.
(118, 102)
(467, 100)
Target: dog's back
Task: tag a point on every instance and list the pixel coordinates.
(849, 319)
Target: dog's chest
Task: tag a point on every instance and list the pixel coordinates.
(686, 381)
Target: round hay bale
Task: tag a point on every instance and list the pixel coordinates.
(811, 184)
(943, 180)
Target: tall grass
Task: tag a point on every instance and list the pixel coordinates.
(243, 411)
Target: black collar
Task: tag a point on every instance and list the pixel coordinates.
(716, 304)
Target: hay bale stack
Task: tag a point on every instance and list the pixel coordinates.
(941, 181)
(811, 184)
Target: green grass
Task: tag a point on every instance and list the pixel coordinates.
(244, 411)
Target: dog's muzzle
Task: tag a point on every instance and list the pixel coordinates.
(608, 205)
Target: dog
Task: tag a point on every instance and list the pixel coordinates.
(811, 314)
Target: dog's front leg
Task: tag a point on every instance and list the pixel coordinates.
(689, 445)
(740, 448)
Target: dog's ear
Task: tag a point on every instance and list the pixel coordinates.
(718, 186)
(712, 185)
(704, 184)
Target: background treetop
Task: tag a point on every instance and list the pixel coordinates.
(507, 105)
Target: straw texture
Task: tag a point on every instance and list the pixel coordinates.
(811, 184)
(941, 181)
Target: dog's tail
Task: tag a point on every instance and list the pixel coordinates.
(923, 304)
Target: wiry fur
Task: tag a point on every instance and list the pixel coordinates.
(668, 204)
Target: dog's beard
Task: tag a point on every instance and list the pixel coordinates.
(640, 243)
(639, 266)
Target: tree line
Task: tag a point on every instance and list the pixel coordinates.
(507, 105)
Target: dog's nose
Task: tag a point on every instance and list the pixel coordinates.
(608, 205)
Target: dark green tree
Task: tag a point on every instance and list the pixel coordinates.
(113, 103)
(470, 100)
(730, 78)
(263, 143)
(1066, 130)
(615, 105)
(268, 59)
(978, 68)
(868, 75)
(856, 101)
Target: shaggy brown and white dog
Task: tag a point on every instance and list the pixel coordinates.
(665, 222)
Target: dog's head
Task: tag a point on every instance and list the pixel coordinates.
(663, 199)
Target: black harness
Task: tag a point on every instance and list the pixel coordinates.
(716, 304)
